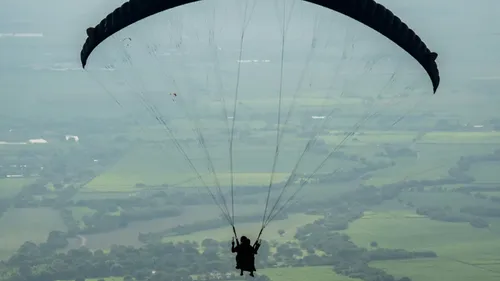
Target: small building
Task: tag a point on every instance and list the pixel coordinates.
(72, 138)
(37, 141)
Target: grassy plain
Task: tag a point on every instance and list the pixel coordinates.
(432, 162)
(454, 200)
(129, 234)
(157, 164)
(251, 230)
(461, 248)
(405, 230)
(10, 187)
(431, 137)
(486, 172)
(440, 269)
(105, 279)
(320, 273)
(252, 166)
(462, 137)
(316, 273)
(17, 226)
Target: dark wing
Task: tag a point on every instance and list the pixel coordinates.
(381, 19)
(367, 12)
(129, 13)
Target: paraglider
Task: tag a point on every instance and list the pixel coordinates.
(245, 254)
(367, 12)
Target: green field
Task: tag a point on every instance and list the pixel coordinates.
(129, 234)
(371, 137)
(486, 172)
(395, 137)
(462, 137)
(252, 165)
(316, 273)
(115, 182)
(11, 187)
(433, 162)
(105, 279)
(452, 199)
(154, 164)
(461, 248)
(251, 230)
(20, 225)
(440, 269)
(193, 214)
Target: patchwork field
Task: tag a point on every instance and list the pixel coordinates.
(193, 214)
(461, 248)
(464, 252)
(252, 166)
(129, 234)
(154, 164)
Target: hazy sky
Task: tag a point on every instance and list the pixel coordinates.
(443, 24)
(465, 34)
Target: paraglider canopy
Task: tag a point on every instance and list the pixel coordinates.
(367, 12)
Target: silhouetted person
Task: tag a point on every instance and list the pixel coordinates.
(245, 254)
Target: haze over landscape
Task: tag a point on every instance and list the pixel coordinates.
(280, 115)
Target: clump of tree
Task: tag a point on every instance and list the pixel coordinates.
(398, 254)
(442, 214)
(448, 215)
(397, 152)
